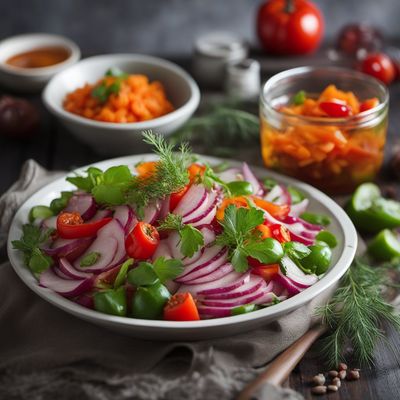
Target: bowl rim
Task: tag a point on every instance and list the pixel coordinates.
(59, 40)
(335, 272)
(190, 105)
(298, 71)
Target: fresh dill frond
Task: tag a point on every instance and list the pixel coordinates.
(355, 314)
(170, 174)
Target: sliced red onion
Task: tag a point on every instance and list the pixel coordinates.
(229, 282)
(234, 302)
(110, 244)
(287, 284)
(193, 200)
(163, 250)
(214, 312)
(126, 216)
(151, 212)
(164, 209)
(209, 255)
(208, 234)
(101, 214)
(216, 274)
(206, 269)
(291, 219)
(64, 287)
(251, 178)
(255, 283)
(296, 275)
(83, 204)
(68, 248)
(299, 208)
(61, 274)
(231, 174)
(278, 195)
(49, 223)
(70, 271)
(198, 218)
(266, 298)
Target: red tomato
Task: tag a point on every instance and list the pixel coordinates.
(380, 66)
(290, 26)
(175, 198)
(181, 307)
(266, 271)
(369, 104)
(334, 109)
(71, 226)
(142, 242)
(280, 233)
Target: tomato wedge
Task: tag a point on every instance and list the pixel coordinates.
(181, 307)
(276, 210)
(71, 226)
(334, 109)
(142, 242)
(266, 271)
(175, 198)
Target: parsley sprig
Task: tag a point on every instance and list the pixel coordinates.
(243, 242)
(191, 238)
(31, 240)
(103, 91)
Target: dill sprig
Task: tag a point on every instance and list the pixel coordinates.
(356, 312)
(170, 175)
(221, 129)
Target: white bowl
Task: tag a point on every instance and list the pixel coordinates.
(343, 255)
(122, 138)
(33, 79)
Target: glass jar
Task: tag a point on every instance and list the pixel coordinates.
(334, 154)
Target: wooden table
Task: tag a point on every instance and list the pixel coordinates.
(55, 148)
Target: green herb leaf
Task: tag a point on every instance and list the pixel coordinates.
(89, 259)
(355, 314)
(317, 219)
(39, 261)
(58, 204)
(143, 275)
(267, 251)
(269, 183)
(122, 273)
(116, 72)
(167, 269)
(191, 240)
(239, 260)
(299, 98)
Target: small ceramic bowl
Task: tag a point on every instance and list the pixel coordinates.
(109, 138)
(33, 79)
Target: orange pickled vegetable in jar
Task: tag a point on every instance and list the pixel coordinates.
(325, 126)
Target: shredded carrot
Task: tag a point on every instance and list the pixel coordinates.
(136, 99)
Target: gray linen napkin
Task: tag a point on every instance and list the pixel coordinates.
(47, 353)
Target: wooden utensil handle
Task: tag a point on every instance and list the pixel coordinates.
(279, 370)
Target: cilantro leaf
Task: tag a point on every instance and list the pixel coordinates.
(122, 273)
(267, 251)
(116, 72)
(191, 240)
(142, 275)
(167, 269)
(239, 260)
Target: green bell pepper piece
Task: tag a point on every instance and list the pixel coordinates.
(240, 188)
(112, 301)
(328, 238)
(148, 302)
(40, 212)
(243, 309)
(318, 260)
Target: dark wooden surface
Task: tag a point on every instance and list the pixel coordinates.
(55, 148)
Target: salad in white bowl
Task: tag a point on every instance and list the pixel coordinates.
(176, 239)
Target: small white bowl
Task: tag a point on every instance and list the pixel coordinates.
(33, 79)
(122, 138)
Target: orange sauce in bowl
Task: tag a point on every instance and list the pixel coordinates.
(39, 58)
